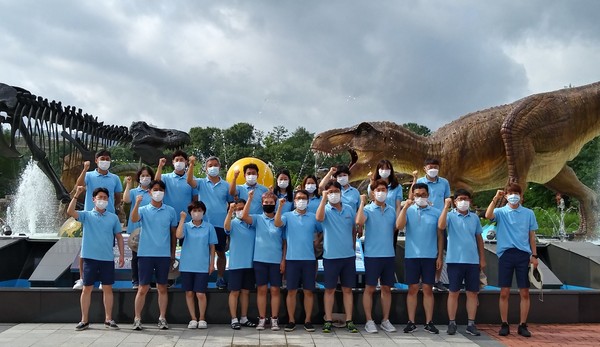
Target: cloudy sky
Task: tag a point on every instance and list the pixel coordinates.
(313, 63)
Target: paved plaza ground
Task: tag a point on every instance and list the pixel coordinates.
(31, 334)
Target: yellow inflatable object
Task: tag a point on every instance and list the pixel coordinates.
(265, 174)
(71, 228)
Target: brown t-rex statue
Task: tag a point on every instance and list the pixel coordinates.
(530, 140)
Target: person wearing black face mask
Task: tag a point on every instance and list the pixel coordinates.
(269, 256)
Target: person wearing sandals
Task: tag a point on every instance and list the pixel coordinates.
(301, 264)
(197, 259)
(100, 227)
(269, 257)
(339, 257)
(241, 273)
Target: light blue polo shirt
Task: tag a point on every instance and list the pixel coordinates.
(313, 204)
(300, 234)
(379, 231)
(439, 190)
(195, 252)
(513, 227)
(259, 190)
(216, 198)
(421, 232)
(99, 230)
(394, 195)
(241, 245)
(110, 181)
(146, 198)
(462, 237)
(178, 194)
(155, 238)
(268, 244)
(351, 196)
(338, 227)
(287, 207)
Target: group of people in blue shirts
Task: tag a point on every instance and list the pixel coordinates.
(277, 233)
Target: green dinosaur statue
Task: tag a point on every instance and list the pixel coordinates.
(530, 140)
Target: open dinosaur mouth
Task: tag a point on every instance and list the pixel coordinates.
(353, 158)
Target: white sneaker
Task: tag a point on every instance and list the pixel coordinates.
(387, 326)
(202, 324)
(193, 324)
(100, 286)
(78, 284)
(274, 324)
(261, 324)
(370, 327)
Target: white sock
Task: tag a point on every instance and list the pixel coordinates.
(243, 319)
(234, 320)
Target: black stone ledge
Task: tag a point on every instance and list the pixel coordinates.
(59, 305)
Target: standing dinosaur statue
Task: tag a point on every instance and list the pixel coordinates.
(61, 138)
(530, 140)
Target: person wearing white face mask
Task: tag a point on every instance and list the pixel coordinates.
(300, 261)
(339, 257)
(100, 227)
(516, 249)
(100, 177)
(241, 191)
(284, 190)
(424, 247)
(379, 220)
(143, 177)
(385, 171)
(197, 259)
(310, 184)
(465, 257)
(241, 254)
(213, 191)
(341, 174)
(179, 194)
(156, 250)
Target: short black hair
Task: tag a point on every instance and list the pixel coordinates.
(196, 204)
(142, 169)
(460, 192)
(333, 183)
(240, 201)
(342, 169)
(160, 184)
(180, 153)
(250, 166)
(100, 190)
(301, 191)
(212, 157)
(421, 186)
(377, 183)
(432, 161)
(103, 152)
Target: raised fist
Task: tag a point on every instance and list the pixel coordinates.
(162, 162)
(86, 165)
(182, 215)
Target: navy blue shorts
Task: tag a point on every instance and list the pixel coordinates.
(241, 279)
(297, 271)
(380, 268)
(222, 238)
(98, 270)
(153, 266)
(267, 273)
(196, 282)
(516, 261)
(344, 268)
(419, 270)
(469, 273)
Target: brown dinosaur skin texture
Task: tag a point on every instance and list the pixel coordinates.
(530, 140)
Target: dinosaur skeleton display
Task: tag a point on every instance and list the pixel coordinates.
(60, 136)
(530, 140)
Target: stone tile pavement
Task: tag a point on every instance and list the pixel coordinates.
(31, 334)
(544, 335)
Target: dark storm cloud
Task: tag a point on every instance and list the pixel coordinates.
(317, 64)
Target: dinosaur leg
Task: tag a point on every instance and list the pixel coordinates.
(519, 147)
(566, 182)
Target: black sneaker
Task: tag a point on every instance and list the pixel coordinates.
(451, 329)
(429, 327)
(504, 329)
(439, 287)
(291, 326)
(327, 326)
(351, 327)
(472, 329)
(410, 327)
(111, 325)
(522, 330)
(309, 327)
(82, 326)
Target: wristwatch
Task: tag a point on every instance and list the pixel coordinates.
(535, 256)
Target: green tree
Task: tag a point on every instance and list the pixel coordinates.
(417, 129)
